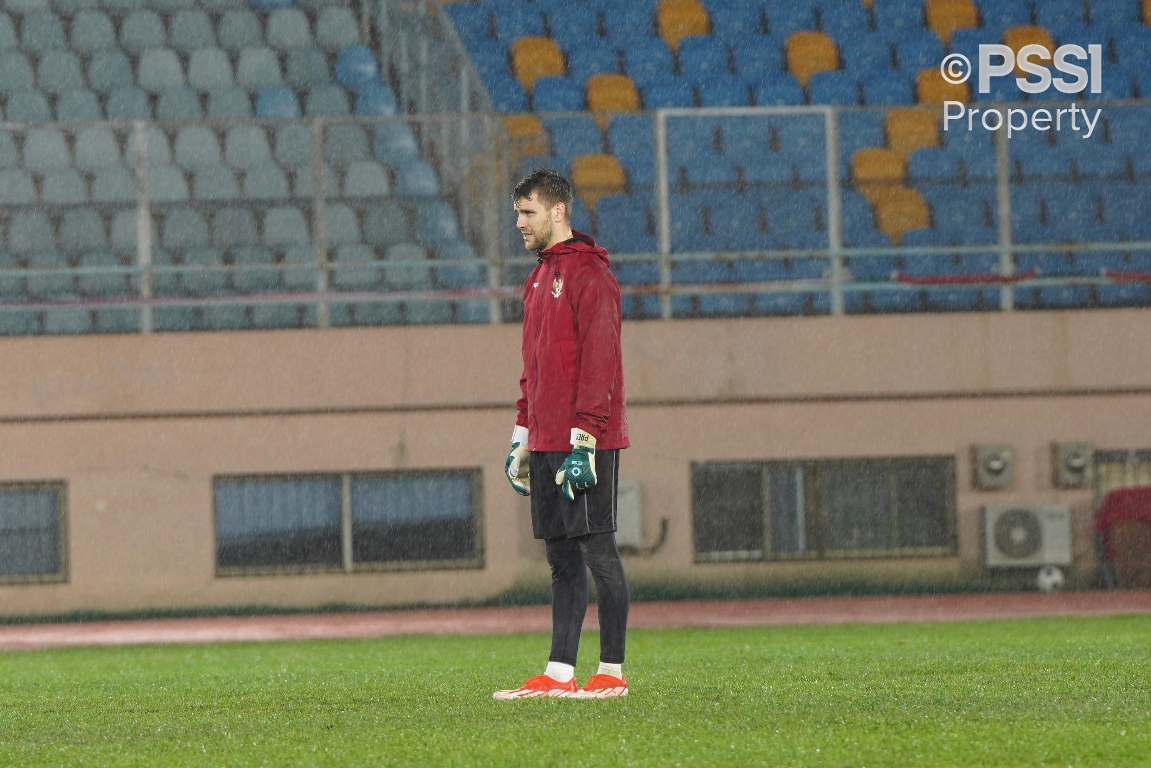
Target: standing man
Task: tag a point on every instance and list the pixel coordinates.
(570, 427)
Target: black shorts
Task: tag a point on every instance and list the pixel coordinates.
(593, 511)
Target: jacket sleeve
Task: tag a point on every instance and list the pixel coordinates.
(598, 314)
(522, 403)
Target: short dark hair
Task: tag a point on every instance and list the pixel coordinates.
(549, 186)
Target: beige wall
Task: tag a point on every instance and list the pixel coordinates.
(138, 425)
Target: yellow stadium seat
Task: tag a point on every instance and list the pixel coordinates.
(678, 19)
(912, 129)
(946, 16)
(899, 210)
(612, 93)
(874, 167)
(1017, 37)
(931, 88)
(536, 57)
(526, 134)
(810, 52)
(596, 176)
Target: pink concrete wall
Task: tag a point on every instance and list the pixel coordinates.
(138, 426)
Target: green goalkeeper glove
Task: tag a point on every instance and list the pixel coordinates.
(577, 473)
(516, 466)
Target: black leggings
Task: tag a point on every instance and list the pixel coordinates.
(570, 560)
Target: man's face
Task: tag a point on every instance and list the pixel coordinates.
(534, 220)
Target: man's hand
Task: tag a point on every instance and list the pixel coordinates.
(577, 473)
(516, 466)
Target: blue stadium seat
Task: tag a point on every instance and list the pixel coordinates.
(518, 21)
(887, 89)
(933, 164)
(668, 92)
(627, 22)
(1113, 15)
(572, 26)
(1028, 224)
(558, 94)
(507, 94)
(724, 91)
(375, 99)
(630, 139)
(573, 136)
(356, 67)
(767, 168)
(919, 53)
(277, 101)
(625, 224)
(1127, 211)
(416, 178)
(759, 60)
(394, 142)
(838, 88)
(1060, 14)
(785, 18)
(470, 20)
(865, 54)
(436, 223)
(592, 57)
(1100, 161)
(783, 92)
(646, 59)
(702, 57)
(737, 22)
(1000, 15)
(897, 19)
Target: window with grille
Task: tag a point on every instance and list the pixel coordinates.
(833, 508)
(349, 522)
(32, 532)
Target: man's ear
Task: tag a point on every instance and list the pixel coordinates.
(559, 213)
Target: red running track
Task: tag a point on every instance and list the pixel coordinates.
(737, 613)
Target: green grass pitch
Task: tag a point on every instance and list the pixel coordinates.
(1051, 692)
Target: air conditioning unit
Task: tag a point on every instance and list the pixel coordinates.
(1027, 535)
(629, 515)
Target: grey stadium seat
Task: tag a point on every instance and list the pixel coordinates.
(197, 147)
(9, 157)
(7, 33)
(210, 69)
(92, 31)
(344, 144)
(15, 72)
(289, 28)
(16, 188)
(166, 184)
(191, 30)
(97, 148)
(63, 186)
(203, 272)
(78, 105)
(59, 71)
(294, 146)
(407, 276)
(307, 67)
(386, 225)
(45, 148)
(114, 185)
(109, 70)
(246, 146)
(234, 226)
(341, 226)
(184, 228)
(216, 184)
(108, 284)
(337, 28)
(160, 70)
(30, 232)
(82, 230)
(141, 31)
(158, 152)
(303, 181)
(28, 106)
(258, 68)
(179, 104)
(266, 182)
(328, 101)
(285, 226)
(366, 178)
(229, 104)
(128, 104)
(41, 31)
(240, 29)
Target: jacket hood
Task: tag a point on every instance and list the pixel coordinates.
(579, 243)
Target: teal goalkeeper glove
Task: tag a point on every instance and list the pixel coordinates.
(516, 466)
(577, 473)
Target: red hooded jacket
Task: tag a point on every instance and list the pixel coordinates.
(573, 364)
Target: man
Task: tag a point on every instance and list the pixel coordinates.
(570, 427)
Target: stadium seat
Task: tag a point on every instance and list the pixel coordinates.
(678, 19)
(784, 19)
(912, 129)
(612, 93)
(645, 58)
(808, 53)
(834, 87)
(946, 16)
(289, 28)
(229, 104)
(626, 22)
(669, 93)
(557, 94)
(573, 136)
(866, 54)
(536, 57)
(593, 57)
(191, 30)
(931, 88)
(277, 101)
(703, 57)
(572, 26)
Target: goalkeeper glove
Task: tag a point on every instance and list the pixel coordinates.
(516, 466)
(577, 473)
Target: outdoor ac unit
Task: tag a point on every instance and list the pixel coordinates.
(1027, 534)
(629, 516)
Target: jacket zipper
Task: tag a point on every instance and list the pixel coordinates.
(536, 348)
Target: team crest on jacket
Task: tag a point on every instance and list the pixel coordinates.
(557, 287)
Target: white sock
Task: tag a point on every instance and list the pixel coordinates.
(615, 670)
(557, 670)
